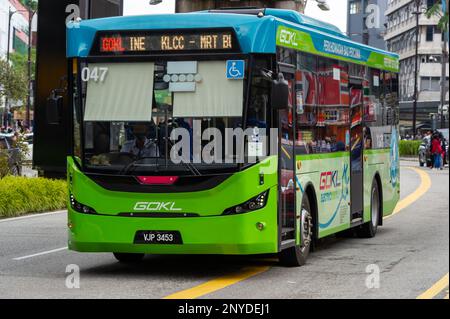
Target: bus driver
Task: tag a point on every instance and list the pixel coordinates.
(140, 146)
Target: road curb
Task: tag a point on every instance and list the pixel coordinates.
(409, 159)
(32, 216)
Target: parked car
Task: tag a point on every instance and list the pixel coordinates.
(425, 157)
(445, 133)
(12, 153)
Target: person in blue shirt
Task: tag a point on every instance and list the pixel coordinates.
(140, 146)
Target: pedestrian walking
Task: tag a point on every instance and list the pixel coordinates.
(436, 151)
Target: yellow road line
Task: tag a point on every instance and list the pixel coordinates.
(435, 289)
(231, 279)
(425, 184)
(218, 283)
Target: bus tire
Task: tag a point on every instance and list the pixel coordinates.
(128, 258)
(296, 256)
(369, 230)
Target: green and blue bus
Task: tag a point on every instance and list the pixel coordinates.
(328, 105)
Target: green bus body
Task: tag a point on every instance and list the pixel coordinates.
(212, 233)
(325, 177)
(208, 234)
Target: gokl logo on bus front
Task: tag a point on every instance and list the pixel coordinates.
(156, 206)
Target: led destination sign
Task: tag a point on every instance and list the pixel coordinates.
(142, 43)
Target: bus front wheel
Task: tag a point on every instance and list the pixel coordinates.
(369, 230)
(296, 256)
(128, 258)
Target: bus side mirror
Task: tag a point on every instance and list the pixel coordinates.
(54, 109)
(280, 93)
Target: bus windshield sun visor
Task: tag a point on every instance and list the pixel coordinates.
(213, 95)
(119, 92)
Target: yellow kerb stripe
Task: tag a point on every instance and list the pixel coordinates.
(435, 289)
(425, 184)
(218, 283)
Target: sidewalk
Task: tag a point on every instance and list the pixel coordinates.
(410, 158)
(27, 171)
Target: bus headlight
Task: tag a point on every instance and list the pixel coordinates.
(253, 204)
(80, 208)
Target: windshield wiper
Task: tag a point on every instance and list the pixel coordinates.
(127, 168)
(189, 165)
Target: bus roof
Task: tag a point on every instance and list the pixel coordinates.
(255, 33)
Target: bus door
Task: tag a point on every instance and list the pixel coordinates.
(356, 150)
(287, 186)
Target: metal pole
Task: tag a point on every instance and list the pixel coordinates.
(11, 13)
(416, 67)
(444, 78)
(30, 20)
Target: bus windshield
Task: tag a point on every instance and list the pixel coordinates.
(138, 117)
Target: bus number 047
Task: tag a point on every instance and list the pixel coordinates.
(95, 74)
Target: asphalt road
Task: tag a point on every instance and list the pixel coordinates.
(408, 258)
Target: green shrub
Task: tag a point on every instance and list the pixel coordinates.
(4, 167)
(21, 195)
(409, 148)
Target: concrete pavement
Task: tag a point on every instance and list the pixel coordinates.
(411, 253)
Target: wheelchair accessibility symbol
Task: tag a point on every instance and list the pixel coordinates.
(235, 69)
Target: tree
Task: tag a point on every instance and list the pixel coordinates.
(437, 10)
(30, 4)
(13, 83)
(20, 62)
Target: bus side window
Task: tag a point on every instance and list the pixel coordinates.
(374, 110)
(306, 88)
(332, 112)
(322, 105)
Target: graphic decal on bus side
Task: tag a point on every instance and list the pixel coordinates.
(335, 48)
(300, 187)
(332, 186)
(394, 174)
(345, 192)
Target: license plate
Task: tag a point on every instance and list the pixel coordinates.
(158, 237)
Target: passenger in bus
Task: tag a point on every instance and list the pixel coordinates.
(140, 146)
(337, 146)
(367, 138)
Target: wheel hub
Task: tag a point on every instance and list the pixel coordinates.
(374, 208)
(306, 228)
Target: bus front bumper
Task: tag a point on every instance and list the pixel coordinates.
(233, 235)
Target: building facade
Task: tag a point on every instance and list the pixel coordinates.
(18, 42)
(401, 38)
(366, 22)
(189, 6)
(18, 29)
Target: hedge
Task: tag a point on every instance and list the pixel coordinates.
(21, 195)
(409, 148)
